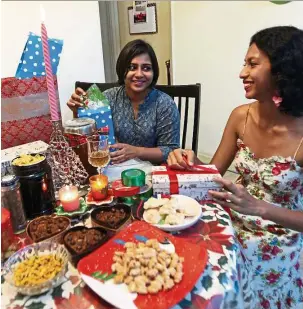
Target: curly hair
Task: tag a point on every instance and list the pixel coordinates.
(131, 50)
(284, 47)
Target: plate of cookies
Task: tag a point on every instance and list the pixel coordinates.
(172, 214)
(143, 267)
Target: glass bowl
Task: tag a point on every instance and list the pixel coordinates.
(37, 249)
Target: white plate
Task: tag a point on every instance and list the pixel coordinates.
(188, 221)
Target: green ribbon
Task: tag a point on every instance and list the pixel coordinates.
(132, 200)
(133, 178)
(128, 200)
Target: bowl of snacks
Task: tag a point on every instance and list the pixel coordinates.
(172, 214)
(111, 218)
(28, 159)
(80, 241)
(48, 228)
(37, 268)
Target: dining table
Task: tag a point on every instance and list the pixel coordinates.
(217, 287)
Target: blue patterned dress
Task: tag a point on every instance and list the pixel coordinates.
(157, 123)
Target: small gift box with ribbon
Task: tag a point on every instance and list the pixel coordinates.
(195, 184)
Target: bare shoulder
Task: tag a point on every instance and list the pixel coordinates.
(240, 112)
(238, 116)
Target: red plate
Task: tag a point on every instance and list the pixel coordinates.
(195, 260)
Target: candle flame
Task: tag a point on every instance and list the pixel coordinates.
(42, 13)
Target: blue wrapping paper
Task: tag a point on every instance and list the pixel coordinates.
(31, 63)
(103, 118)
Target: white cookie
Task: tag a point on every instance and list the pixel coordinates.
(174, 219)
(155, 202)
(152, 216)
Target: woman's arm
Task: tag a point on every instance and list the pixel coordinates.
(237, 198)
(292, 219)
(126, 152)
(225, 152)
(227, 149)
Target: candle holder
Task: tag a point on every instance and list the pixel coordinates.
(69, 198)
(99, 187)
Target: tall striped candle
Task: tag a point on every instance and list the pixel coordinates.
(52, 98)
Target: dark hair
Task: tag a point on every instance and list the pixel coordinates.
(284, 47)
(129, 52)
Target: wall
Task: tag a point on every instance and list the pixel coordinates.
(161, 41)
(209, 42)
(77, 23)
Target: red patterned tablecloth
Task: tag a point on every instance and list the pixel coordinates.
(218, 286)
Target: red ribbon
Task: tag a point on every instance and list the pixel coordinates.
(172, 175)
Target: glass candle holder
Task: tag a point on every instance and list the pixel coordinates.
(99, 187)
(69, 198)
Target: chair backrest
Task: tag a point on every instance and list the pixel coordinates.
(180, 92)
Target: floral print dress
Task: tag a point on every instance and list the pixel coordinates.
(270, 251)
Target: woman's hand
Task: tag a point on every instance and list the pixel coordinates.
(182, 159)
(76, 99)
(123, 153)
(237, 198)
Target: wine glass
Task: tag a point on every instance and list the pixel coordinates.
(98, 152)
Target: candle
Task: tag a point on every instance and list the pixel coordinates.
(69, 198)
(99, 186)
(48, 69)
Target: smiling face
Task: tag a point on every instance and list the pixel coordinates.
(256, 74)
(140, 73)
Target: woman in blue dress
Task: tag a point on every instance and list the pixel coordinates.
(146, 120)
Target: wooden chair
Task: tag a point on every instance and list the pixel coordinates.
(179, 92)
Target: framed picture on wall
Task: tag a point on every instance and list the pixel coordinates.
(148, 27)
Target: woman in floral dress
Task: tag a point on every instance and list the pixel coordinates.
(266, 140)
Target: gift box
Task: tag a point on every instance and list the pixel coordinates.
(97, 107)
(194, 184)
(7, 155)
(31, 63)
(25, 112)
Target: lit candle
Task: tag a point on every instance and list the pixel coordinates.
(99, 186)
(69, 198)
(48, 69)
